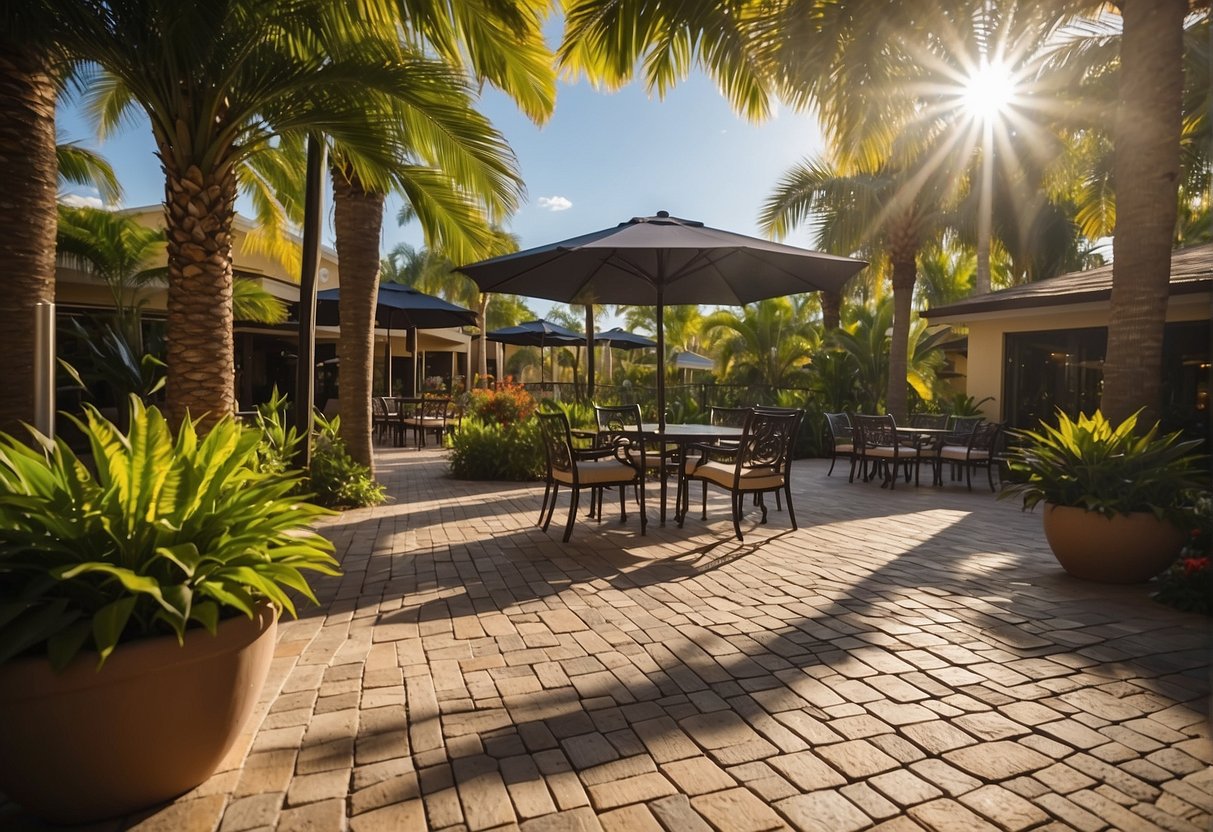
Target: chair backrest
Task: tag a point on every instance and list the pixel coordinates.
(434, 408)
(839, 427)
(963, 425)
(874, 431)
(730, 417)
(557, 440)
(985, 437)
(378, 408)
(617, 418)
(935, 421)
(768, 438)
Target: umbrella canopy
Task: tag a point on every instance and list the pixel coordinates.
(692, 361)
(538, 333)
(655, 261)
(622, 339)
(400, 307)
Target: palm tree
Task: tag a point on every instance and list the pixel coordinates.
(471, 182)
(1146, 170)
(882, 210)
(219, 85)
(767, 344)
(28, 181)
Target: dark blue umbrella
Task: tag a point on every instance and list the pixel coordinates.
(658, 261)
(622, 339)
(398, 307)
(538, 333)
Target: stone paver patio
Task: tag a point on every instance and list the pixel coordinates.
(906, 660)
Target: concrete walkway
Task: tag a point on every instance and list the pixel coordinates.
(907, 660)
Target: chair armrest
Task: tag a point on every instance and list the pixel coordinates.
(716, 453)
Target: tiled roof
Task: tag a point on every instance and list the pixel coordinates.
(1191, 272)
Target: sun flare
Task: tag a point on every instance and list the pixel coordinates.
(988, 91)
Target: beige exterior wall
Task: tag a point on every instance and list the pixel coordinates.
(987, 333)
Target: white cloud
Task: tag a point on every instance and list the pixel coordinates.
(81, 201)
(554, 203)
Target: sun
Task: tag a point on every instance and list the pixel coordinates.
(988, 91)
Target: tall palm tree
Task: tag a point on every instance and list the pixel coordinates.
(884, 210)
(500, 43)
(1146, 171)
(28, 185)
(219, 84)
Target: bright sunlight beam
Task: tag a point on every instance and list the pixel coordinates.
(988, 91)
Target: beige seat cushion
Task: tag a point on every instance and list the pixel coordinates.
(960, 453)
(884, 452)
(721, 473)
(845, 448)
(599, 472)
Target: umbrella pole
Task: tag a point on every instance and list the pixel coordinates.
(661, 357)
(589, 352)
(387, 363)
(416, 349)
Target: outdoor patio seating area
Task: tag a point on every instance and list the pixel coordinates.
(908, 659)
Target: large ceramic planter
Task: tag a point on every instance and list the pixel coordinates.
(1122, 549)
(154, 722)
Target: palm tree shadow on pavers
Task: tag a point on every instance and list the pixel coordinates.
(884, 612)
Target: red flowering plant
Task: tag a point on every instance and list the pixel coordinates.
(503, 405)
(1188, 584)
(499, 440)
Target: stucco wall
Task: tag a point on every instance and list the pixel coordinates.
(986, 338)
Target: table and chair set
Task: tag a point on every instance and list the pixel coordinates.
(879, 448)
(393, 417)
(745, 451)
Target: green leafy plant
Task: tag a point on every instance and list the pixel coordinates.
(279, 440)
(153, 534)
(335, 478)
(489, 451)
(1110, 469)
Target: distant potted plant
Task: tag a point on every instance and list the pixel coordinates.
(1115, 500)
(142, 587)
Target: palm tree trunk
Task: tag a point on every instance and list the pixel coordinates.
(1146, 169)
(28, 183)
(357, 221)
(831, 310)
(199, 210)
(904, 252)
(482, 313)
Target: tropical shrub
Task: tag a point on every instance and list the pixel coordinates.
(335, 478)
(1110, 469)
(279, 440)
(154, 534)
(1188, 584)
(505, 405)
(483, 450)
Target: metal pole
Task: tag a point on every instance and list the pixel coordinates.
(305, 372)
(44, 367)
(589, 352)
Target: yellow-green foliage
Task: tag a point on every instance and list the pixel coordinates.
(153, 533)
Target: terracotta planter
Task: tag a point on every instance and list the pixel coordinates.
(1123, 549)
(154, 722)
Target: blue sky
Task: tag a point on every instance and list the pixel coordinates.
(601, 159)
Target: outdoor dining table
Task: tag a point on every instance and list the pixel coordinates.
(405, 406)
(685, 435)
